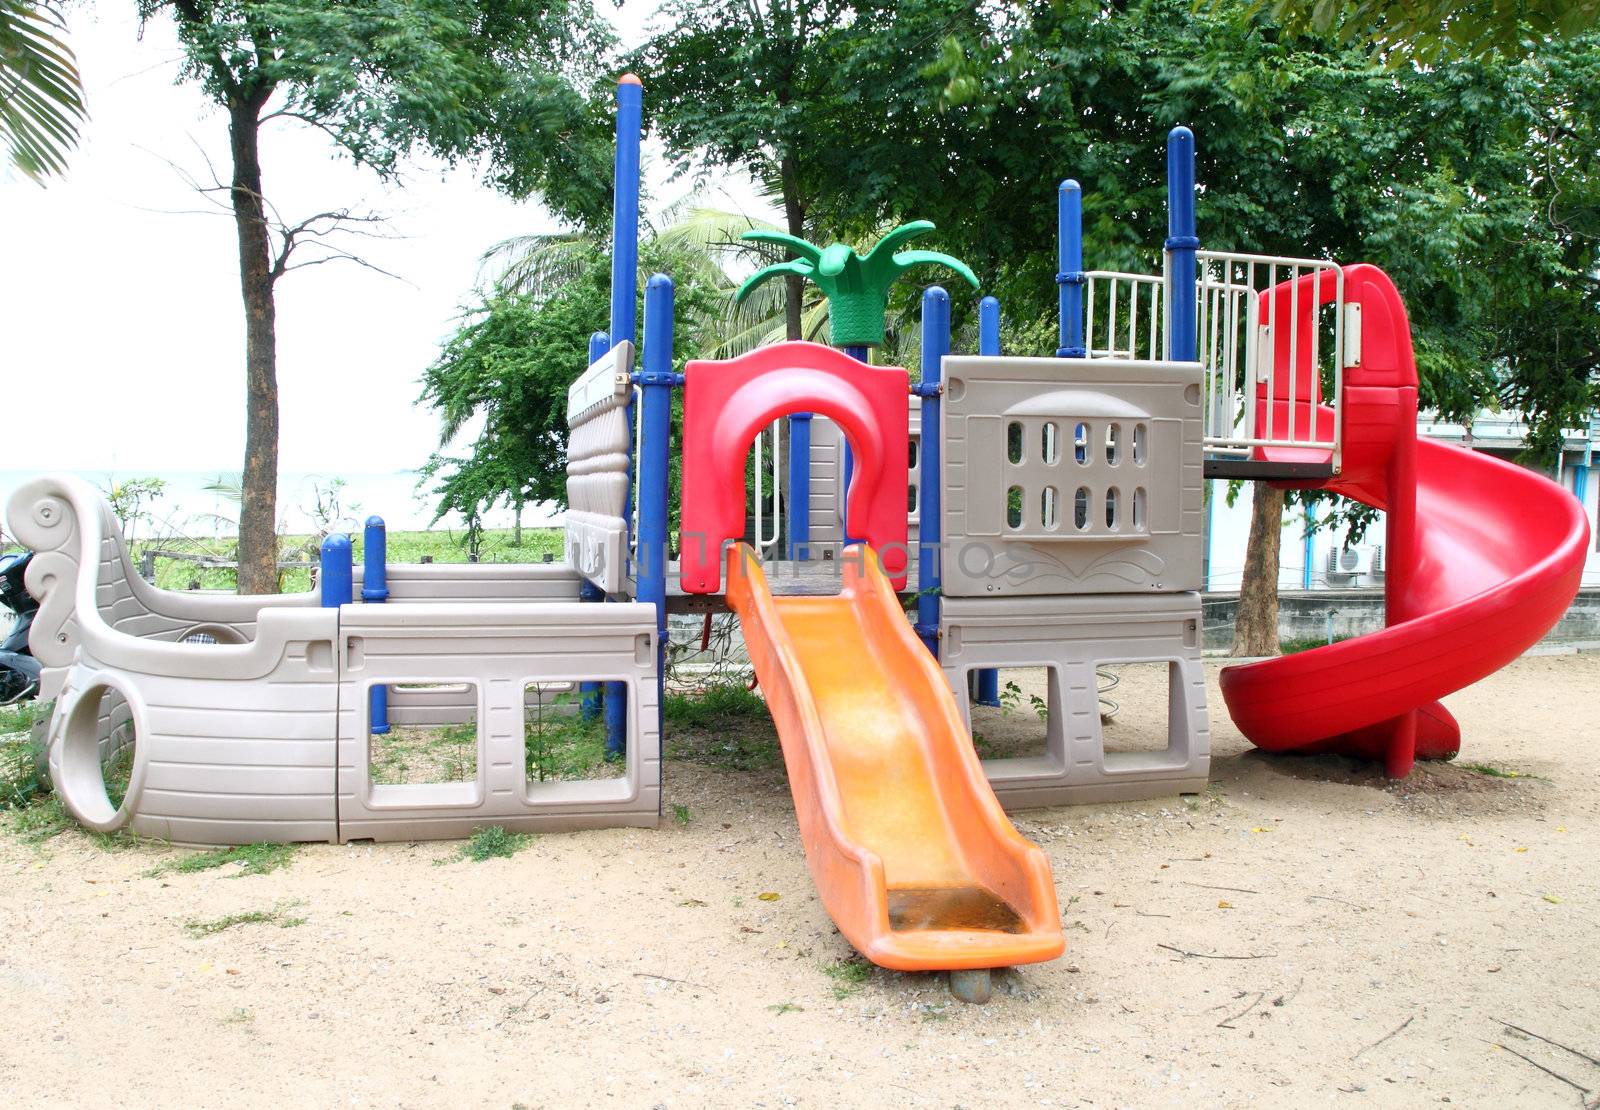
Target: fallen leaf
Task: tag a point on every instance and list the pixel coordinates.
(1522, 849)
(769, 896)
(1260, 828)
(1494, 969)
(1224, 905)
(1552, 899)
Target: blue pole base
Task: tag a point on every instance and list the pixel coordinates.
(378, 710)
(988, 687)
(616, 699)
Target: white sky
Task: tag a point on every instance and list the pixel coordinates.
(120, 308)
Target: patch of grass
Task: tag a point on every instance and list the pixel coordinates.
(787, 1008)
(41, 820)
(680, 813)
(1490, 771)
(239, 1016)
(561, 744)
(494, 842)
(848, 975)
(253, 859)
(724, 726)
(23, 777)
(278, 915)
(417, 753)
(1297, 644)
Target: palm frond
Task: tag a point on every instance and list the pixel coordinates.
(41, 93)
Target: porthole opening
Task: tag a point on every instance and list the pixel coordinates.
(1080, 443)
(1080, 509)
(1047, 507)
(1138, 509)
(1113, 508)
(1051, 443)
(1140, 434)
(1014, 443)
(1014, 507)
(1113, 444)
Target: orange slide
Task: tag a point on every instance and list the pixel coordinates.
(914, 858)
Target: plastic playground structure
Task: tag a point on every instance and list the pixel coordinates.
(1051, 518)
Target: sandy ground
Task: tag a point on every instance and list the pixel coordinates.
(1354, 943)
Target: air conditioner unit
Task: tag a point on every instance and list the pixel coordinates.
(1346, 563)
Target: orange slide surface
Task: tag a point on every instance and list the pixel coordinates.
(912, 855)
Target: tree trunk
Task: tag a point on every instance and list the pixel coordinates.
(258, 536)
(1255, 629)
(516, 534)
(794, 215)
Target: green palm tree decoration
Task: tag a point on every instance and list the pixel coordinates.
(857, 287)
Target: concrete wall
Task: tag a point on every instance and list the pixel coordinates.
(1303, 614)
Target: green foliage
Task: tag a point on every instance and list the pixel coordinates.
(1011, 700)
(848, 975)
(23, 777)
(1433, 31)
(488, 81)
(562, 744)
(41, 97)
(511, 361)
(251, 859)
(494, 842)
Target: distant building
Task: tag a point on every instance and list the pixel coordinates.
(1321, 561)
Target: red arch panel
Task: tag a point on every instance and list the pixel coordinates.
(725, 403)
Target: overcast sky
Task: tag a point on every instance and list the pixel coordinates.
(119, 292)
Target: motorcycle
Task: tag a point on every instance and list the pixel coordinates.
(19, 670)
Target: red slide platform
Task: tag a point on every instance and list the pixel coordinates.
(1483, 557)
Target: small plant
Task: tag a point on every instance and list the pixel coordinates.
(278, 915)
(493, 842)
(680, 814)
(1011, 699)
(787, 1008)
(724, 725)
(239, 1016)
(23, 777)
(1490, 771)
(848, 975)
(253, 859)
(40, 821)
(564, 742)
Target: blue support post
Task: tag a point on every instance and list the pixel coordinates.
(799, 485)
(860, 354)
(589, 692)
(655, 460)
(624, 317)
(1069, 272)
(336, 579)
(988, 692)
(1182, 242)
(375, 591)
(1310, 546)
(935, 345)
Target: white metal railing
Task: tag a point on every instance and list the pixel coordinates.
(1112, 304)
(764, 541)
(1249, 404)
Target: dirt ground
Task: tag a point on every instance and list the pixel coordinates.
(1304, 932)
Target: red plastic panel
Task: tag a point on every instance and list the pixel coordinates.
(725, 403)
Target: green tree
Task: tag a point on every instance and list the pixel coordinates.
(41, 95)
(487, 79)
(1439, 30)
(507, 369)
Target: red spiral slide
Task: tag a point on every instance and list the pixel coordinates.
(1483, 557)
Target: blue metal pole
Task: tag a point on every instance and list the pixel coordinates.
(860, 354)
(1305, 571)
(1069, 274)
(589, 692)
(799, 485)
(1182, 242)
(625, 211)
(935, 345)
(624, 318)
(655, 462)
(375, 591)
(988, 692)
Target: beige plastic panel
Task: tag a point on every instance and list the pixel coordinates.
(1074, 636)
(1121, 438)
(598, 444)
(498, 650)
(827, 481)
(500, 582)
